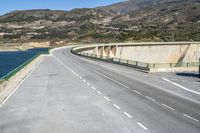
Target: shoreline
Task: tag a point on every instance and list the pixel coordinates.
(18, 49)
(10, 50)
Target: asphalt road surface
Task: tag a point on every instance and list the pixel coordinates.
(66, 93)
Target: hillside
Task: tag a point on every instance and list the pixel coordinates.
(133, 20)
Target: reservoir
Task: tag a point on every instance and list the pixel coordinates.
(9, 60)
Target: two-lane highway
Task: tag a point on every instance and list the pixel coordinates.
(68, 93)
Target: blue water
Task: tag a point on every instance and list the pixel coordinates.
(12, 59)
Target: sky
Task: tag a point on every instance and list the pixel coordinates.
(11, 5)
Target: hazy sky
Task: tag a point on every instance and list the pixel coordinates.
(10, 5)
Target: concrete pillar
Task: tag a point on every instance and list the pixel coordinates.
(113, 50)
(107, 51)
(100, 50)
(95, 51)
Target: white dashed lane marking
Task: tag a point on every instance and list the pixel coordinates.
(116, 106)
(99, 92)
(126, 114)
(190, 117)
(137, 92)
(150, 98)
(106, 98)
(167, 106)
(142, 126)
(88, 84)
(93, 88)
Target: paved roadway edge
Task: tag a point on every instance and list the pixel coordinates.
(14, 82)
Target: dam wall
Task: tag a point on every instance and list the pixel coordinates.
(152, 55)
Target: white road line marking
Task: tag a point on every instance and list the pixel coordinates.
(108, 77)
(66, 66)
(98, 63)
(80, 78)
(150, 98)
(20, 83)
(116, 106)
(182, 87)
(106, 98)
(93, 88)
(84, 80)
(129, 116)
(88, 84)
(167, 106)
(191, 117)
(139, 93)
(142, 126)
(111, 79)
(99, 92)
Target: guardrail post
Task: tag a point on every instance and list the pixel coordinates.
(147, 65)
(170, 65)
(119, 60)
(199, 67)
(187, 64)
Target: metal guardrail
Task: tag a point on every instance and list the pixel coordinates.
(130, 63)
(16, 70)
(134, 64)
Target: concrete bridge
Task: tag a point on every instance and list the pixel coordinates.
(162, 56)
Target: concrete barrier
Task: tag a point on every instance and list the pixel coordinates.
(10, 81)
(153, 56)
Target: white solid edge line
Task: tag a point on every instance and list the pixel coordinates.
(191, 117)
(167, 106)
(19, 84)
(141, 125)
(111, 79)
(106, 98)
(129, 116)
(182, 87)
(116, 106)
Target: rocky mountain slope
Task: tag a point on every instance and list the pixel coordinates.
(133, 20)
